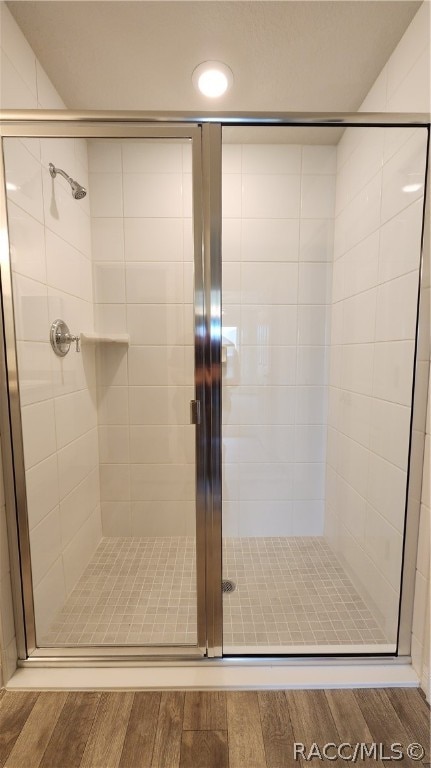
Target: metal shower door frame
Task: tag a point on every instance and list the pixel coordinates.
(11, 426)
(208, 353)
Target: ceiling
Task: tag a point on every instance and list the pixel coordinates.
(285, 56)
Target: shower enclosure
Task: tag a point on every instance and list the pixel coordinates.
(214, 376)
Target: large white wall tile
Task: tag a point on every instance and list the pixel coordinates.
(34, 370)
(45, 545)
(154, 283)
(107, 238)
(271, 158)
(27, 244)
(400, 243)
(266, 325)
(75, 414)
(104, 156)
(393, 371)
(271, 197)
(158, 405)
(317, 197)
(404, 176)
(78, 505)
(153, 195)
(391, 324)
(80, 550)
(152, 156)
(38, 426)
(106, 194)
(316, 239)
(67, 269)
(270, 240)
(117, 518)
(272, 283)
(319, 159)
(42, 489)
(76, 460)
(162, 482)
(23, 178)
(313, 283)
(49, 597)
(109, 282)
(153, 239)
(31, 309)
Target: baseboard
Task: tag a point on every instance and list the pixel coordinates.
(216, 676)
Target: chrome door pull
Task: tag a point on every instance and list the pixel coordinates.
(195, 411)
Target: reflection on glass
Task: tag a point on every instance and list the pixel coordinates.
(321, 246)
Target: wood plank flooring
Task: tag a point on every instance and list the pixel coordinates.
(195, 729)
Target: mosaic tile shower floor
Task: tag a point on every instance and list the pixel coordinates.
(290, 591)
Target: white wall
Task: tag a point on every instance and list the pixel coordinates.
(52, 277)
(375, 279)
(278, 205)
(141, 208)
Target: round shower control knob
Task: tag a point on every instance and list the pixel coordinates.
(61, 338)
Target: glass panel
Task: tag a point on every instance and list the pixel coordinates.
(321, 250)
(109, 449)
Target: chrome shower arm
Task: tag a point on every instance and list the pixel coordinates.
(54, 171)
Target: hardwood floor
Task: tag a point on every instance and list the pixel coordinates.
(195, 729)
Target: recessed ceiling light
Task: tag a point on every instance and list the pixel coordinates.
(212, 78)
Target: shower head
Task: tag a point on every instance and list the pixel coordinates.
(78, 192)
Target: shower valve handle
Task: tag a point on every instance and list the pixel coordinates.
(68, 338)
(62, 338)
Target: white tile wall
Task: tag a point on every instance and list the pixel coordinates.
(379, 195)
(51, 261)
(144, 286)
(277, 248)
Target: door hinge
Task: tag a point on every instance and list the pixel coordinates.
(195, 411)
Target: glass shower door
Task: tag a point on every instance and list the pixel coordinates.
(109, 447)
(321, 264)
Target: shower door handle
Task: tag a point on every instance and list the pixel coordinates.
(195, 411)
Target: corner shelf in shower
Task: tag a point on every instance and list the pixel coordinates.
(105, 338)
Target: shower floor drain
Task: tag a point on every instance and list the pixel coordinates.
(228, 585)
